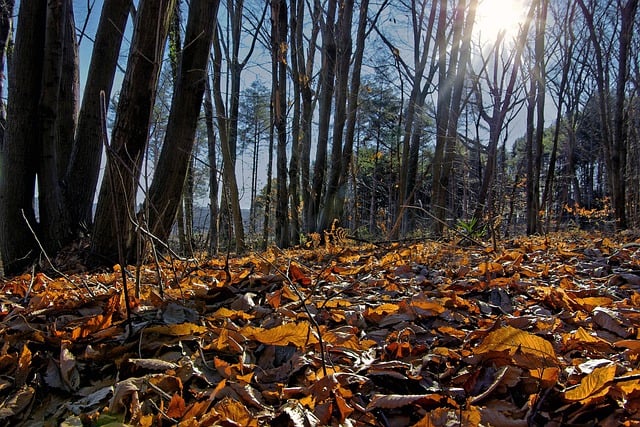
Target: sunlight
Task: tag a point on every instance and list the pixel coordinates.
(494, 16)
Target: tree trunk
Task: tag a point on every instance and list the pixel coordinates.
(69, 96)
(116, 204)
(450, 85)
(6, 16)
(620, 125)
(213, 170)
(228, 170)
(279, 99)
(165, 193)
(84, 164)
(304, 79)
(19, 147)
(54, 227)
(327, 82)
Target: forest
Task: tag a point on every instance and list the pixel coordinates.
(321, 212)
(390, 120)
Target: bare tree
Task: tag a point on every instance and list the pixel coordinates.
(171, 173)
(84, 164)
(612, 114)
(116, 203)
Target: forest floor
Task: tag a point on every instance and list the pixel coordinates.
(537, 331)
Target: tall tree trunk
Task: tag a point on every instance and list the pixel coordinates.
(84, 165)
(6, 19)
(620, 115)
(568, 48)
(327, 83)
(69, 97)
(450, 84)
(343, 45)
(213, 170)
(296, 26)
(228, 169)
(539, 77)
(116, 203)
(304, 79)
(54, 226)
(165, 193)
(19, 147)
(279, 100)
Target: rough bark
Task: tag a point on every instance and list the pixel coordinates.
(116, 204)
(344, 47)
(327, 84)
(84, 165)
(54, 227)
(19, 147)
(279, 50)
(169, 179)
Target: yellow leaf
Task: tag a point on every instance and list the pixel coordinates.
(178, 330)
(592, 383)
(510, 340)
(297, 334)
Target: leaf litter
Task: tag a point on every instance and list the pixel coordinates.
(541, 331)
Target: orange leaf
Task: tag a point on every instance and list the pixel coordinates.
(297, 334)
(597, 380)
(177, 407)
(297, 276)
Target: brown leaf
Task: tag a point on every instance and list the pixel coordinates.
(394, 401)
(24, 366)
(177, 407)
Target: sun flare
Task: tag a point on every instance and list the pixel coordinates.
(494, 16)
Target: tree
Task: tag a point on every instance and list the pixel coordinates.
(613, 115)
(279, 49)
(84, 164)
(451, 76)
(227, 113)
(302, 69)
(327, 84)
(169, 178)
(115, 211)
(20, 145)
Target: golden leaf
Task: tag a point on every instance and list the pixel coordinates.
(596, 381)
(297, 334)
(178, 330)
(510, 340)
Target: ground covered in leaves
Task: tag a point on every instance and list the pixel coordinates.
(539, 331)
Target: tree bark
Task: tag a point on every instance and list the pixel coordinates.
(327, 83)
(116, 204)
(54, 227)
(165, 193)
(84, 163)
(19, 147)
(279, 50)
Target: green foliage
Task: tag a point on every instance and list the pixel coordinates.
(472, 228)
